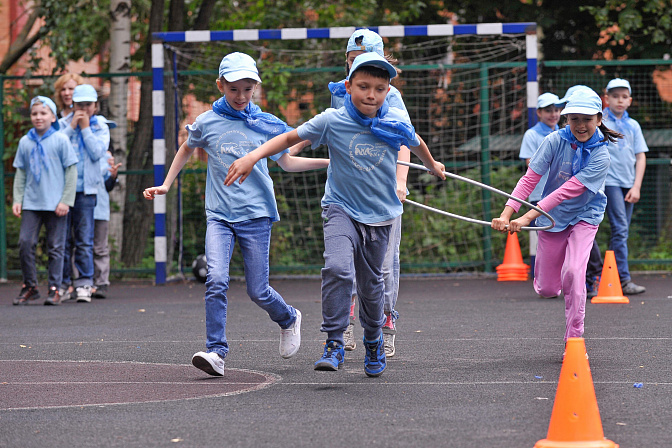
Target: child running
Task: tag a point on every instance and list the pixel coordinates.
(360, 201)
(44, 191)
(243, 213)
(576, 159)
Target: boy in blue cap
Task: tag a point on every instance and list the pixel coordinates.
(360, 201)
(44, 191)
(623, 184)
(90, 136)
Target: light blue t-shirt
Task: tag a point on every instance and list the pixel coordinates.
(361, 177)
(623, 151)
(226, 141)
(60, 154)
(96, 141)
(555, 156)
(531, 141)
(102, 210)
(393, 99)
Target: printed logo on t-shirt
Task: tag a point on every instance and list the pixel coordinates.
(232, 145)
(366, 154)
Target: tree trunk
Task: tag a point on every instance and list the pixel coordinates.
(120, 58)
(138, 213)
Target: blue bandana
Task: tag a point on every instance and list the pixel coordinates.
(338, 88)
(38, 158)
(622, 125)
(394, 133)
(582, 153)
(544, 129)
(253, 117)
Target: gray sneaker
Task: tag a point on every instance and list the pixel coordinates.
(631, 288)
(83, 293)
(65, 294)
(389, 334)
(349, 343)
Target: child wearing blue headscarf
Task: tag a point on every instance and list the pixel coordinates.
(44, 191)
(243, 213)
(576, 160)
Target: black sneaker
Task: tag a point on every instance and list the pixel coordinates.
(54, 297)
(29, 295)
(100, 292)
(631, 288)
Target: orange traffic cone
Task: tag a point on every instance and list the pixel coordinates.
(575, 420)
(513, 268)
(610, 290)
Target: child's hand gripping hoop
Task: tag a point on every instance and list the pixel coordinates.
(478, 184)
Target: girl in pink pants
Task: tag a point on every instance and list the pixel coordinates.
(576, 160)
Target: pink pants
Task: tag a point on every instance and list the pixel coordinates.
(561, 267)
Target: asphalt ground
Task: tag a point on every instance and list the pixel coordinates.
(477, 364)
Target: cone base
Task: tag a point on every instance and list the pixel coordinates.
(544, 443)
(516, 279)
(609, 299)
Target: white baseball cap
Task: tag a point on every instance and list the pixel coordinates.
(618, 82)
(372, 59)
(583, 101)
(547, 99)
(571, 90)
(365, 40)
(84, 93)
(237, 66)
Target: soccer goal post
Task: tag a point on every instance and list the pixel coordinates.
(470, 91)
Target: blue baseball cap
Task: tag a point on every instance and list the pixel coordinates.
(365, 40)
(237, 66)
(571, 90)
(547, 99)
(583, 101)
(372, 59)
(618, 82)
(50, 104)
(84, 93)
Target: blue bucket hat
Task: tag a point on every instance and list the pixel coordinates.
(583, 101)
(618, 82)
(372, 59)
(547, 99)
(365, 40)
(571, 90)
(237, 66)
(84, 93)
(50, 104)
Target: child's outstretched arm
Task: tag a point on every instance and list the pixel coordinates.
(293, 164)
(242, 167)
(422, 151)
(178, 163)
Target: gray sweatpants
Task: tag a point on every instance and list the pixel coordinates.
(101, 253)
(345, 241)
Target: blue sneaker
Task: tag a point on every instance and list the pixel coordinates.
(374, 360)
(332, 357)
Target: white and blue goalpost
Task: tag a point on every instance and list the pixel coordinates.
(159, 99)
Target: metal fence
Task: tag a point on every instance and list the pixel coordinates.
(651, 228)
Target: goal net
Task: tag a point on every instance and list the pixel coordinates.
(467, 93)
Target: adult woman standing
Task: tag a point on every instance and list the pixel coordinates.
(63, 89)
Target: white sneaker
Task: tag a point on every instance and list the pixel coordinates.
(83, 293)
(290, 338)
(349, 343)
(211, 363)
(65, 294)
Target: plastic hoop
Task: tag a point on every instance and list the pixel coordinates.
(478, 184)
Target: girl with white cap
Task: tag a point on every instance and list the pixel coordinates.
(576, 160)
(242, 213)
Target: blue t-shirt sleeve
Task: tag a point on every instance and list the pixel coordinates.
(275, 157)
(394, 100)
(195, 131)
(541, 159)
(593, 175)
(639, 144)
(529, 145)
(314, 130)
(21, 159)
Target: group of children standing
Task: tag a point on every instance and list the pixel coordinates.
(367, 130)
(61, 169)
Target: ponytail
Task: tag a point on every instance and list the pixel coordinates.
(609, 134)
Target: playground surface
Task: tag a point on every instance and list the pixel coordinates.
(477, 364)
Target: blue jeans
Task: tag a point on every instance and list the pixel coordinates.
(31, 222)
(620, 214)
(346, 240)
(80, 235)
(254, 237)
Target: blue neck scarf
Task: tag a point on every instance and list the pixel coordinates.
(93, 121)
(583, 150)
(621, 124)
(253, 117)
(544, 129)
(394, 133)
(337, 88)
(38, 158)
